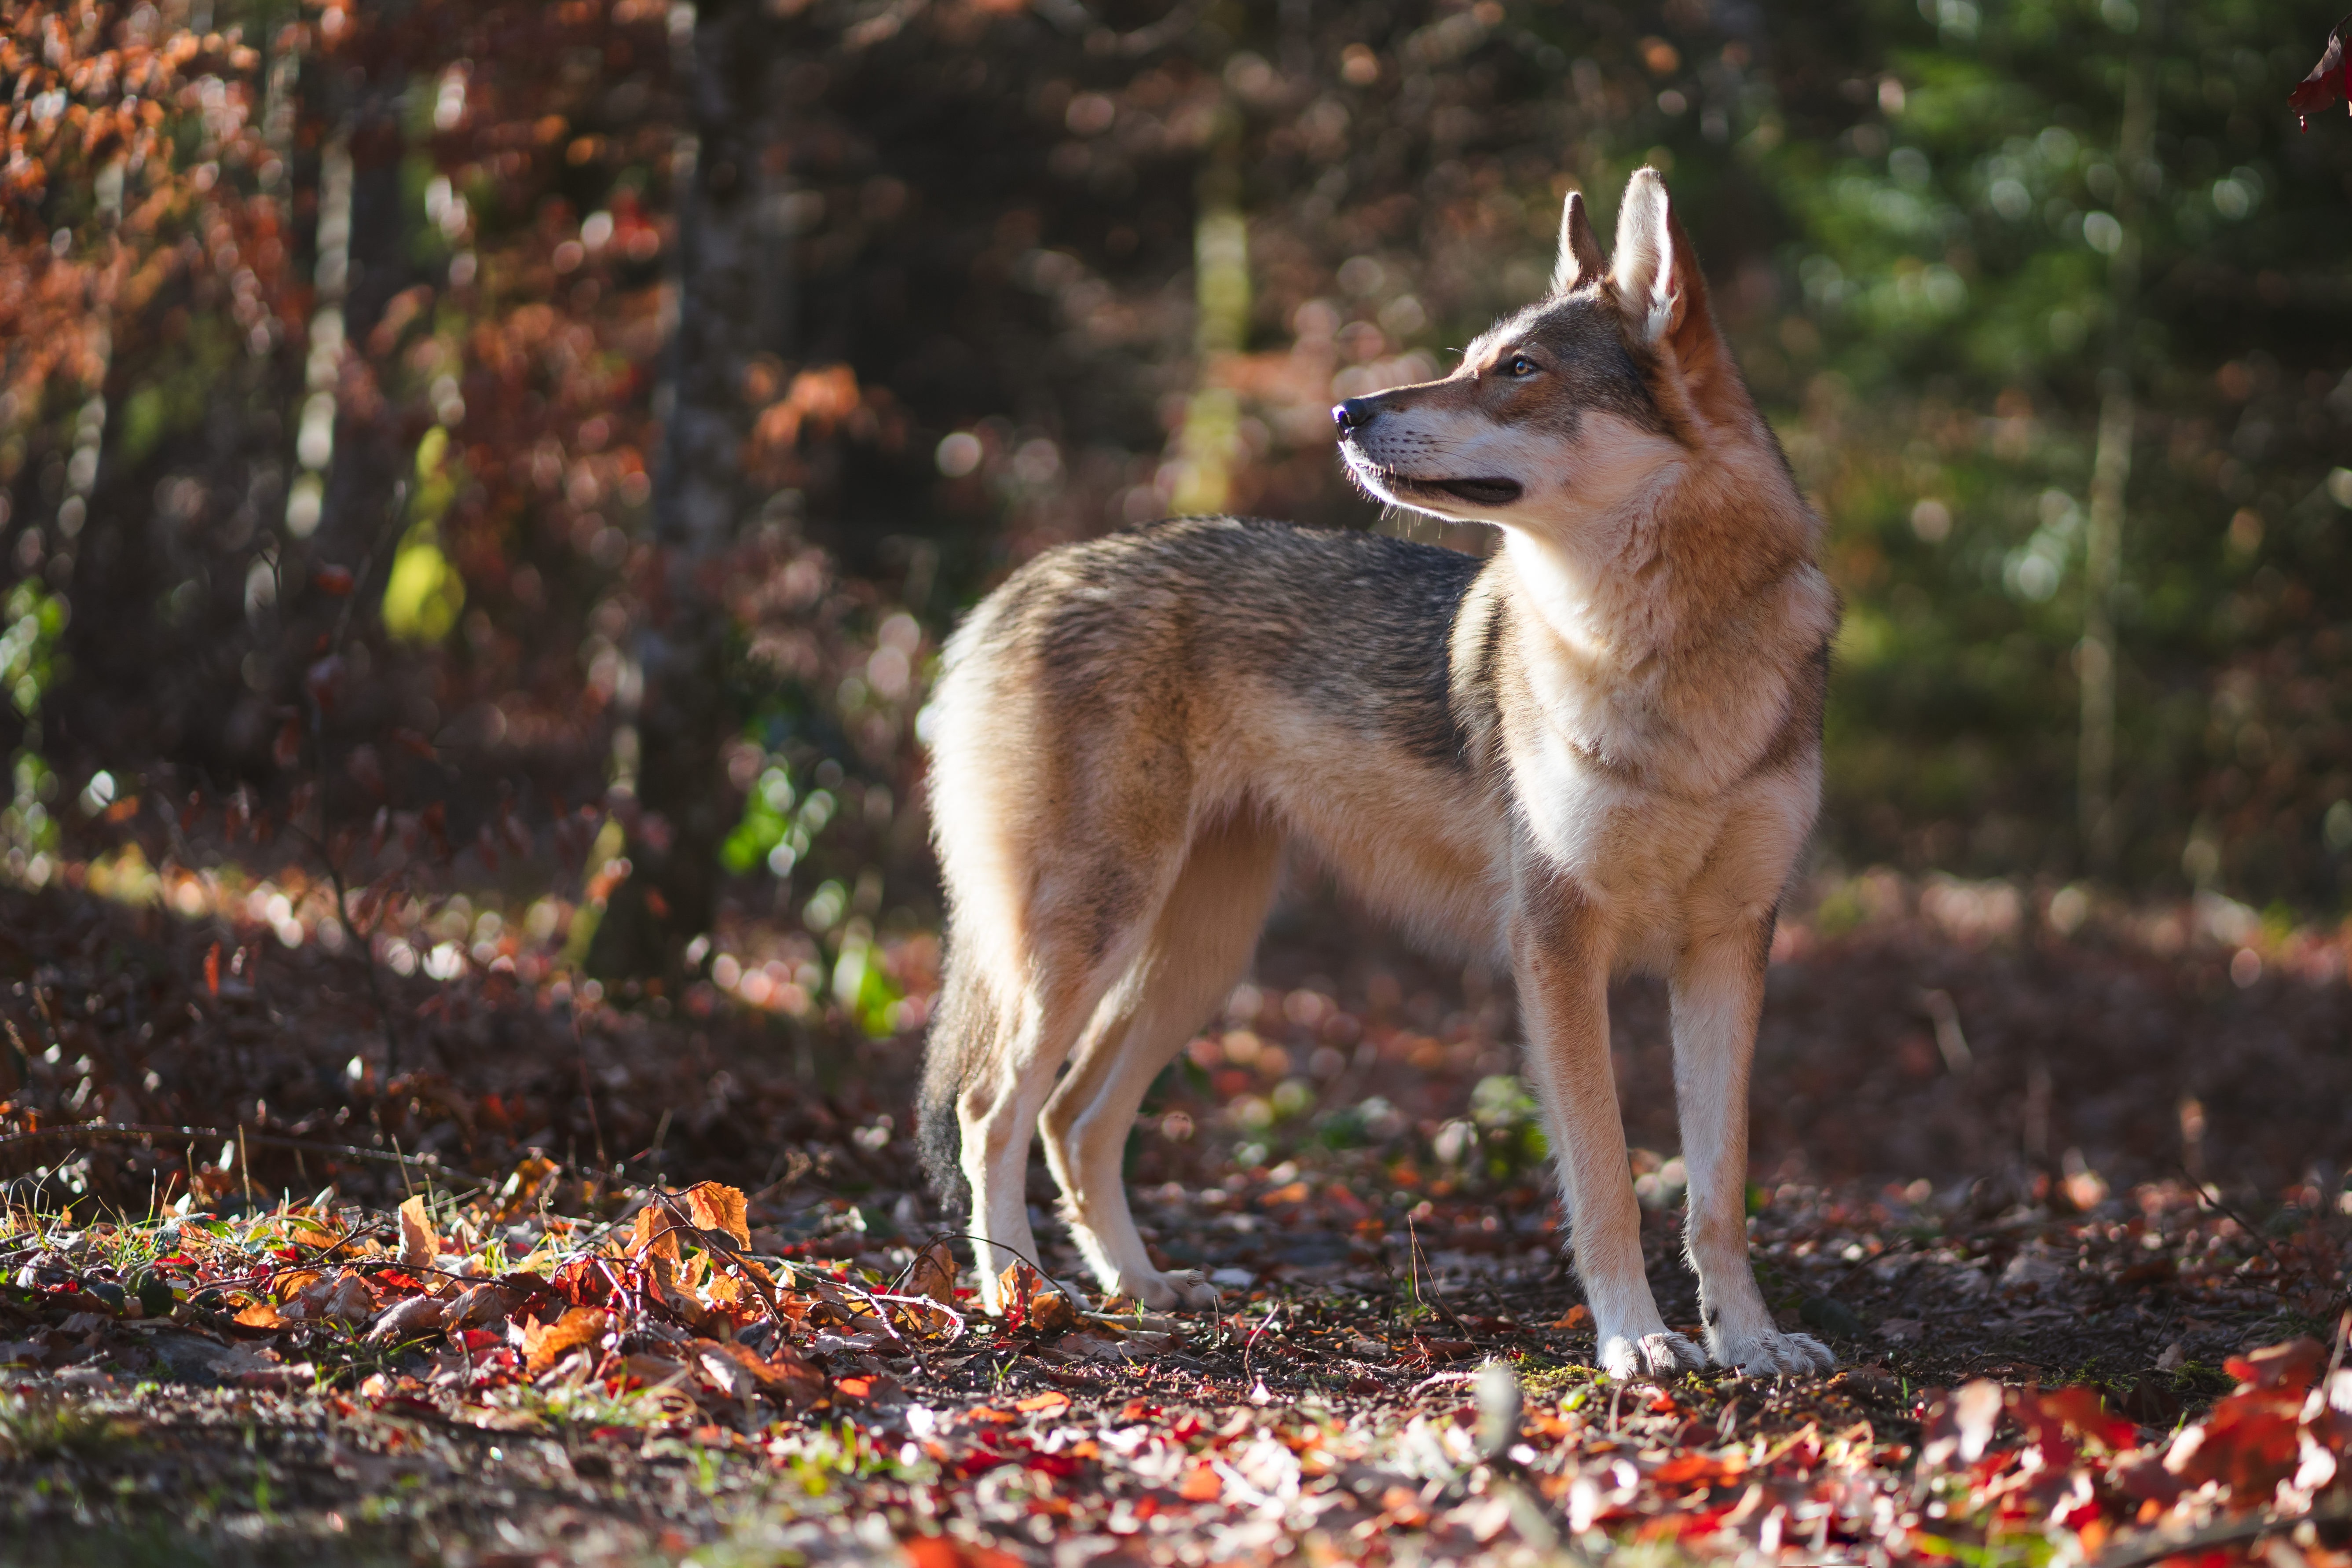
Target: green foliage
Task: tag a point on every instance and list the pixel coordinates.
(424, 592)
(30, 667)
(1955, 254)
(1503, 1139)
(778, 824)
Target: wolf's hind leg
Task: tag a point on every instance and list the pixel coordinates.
(998, 1109)
(1200, 943)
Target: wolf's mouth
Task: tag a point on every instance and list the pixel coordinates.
(1477, 492)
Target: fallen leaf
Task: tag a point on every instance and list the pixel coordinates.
(410, 1316)
(1976, 1410)
(1050, 1313)
(262, 1315)
(348, 1300)
(934, 1274)
(477, 1306)
(419, 1245)
(1576, 1318)
(715, 1206)
(543, 1344)
(1016, 1287)
(2288, 1367)
(947, 1551)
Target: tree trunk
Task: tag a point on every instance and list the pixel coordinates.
(2111, 468)
(362, 267)
(667, 753)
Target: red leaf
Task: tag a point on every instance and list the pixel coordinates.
(2330, 80)
(334, 581)
(946, 1552)
(2288, 1367)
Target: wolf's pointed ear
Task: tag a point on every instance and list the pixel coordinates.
(1653, 267)
(1580, 257)
(1663, 296)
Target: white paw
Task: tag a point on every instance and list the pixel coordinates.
(1176, 1288)
(1661, 1354)
(1771, 1353)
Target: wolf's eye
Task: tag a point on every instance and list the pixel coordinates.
(1520, 365)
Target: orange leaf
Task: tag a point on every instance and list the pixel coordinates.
(1201, 1485)
(714, 1206)
(2288, 1367)
(656, 1241)
(1050, 1313)
(947, 1551)
(1577, 1317)
(934, 1274)
(1052, 1399)
(1016, 1287)
(262, 1315)
(543, 1344)
(419, 1245)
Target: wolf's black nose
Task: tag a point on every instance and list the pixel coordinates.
(1352, 415)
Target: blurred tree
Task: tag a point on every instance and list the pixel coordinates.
(1964, 252)
(681, 707)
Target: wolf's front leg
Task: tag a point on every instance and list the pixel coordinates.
(1562, 958)
(1718, 991)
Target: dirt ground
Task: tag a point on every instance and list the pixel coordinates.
(1987, 1157)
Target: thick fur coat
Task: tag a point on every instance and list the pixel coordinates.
(1597, 751)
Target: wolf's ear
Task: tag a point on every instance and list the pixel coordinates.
(1581, 258)
(1653, 267)
(1664, 295)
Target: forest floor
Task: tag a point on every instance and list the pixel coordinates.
(565, 1283)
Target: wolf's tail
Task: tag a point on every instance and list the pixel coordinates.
(963, 1034)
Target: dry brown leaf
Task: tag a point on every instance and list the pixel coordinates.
(419, 1243)
(478, 1306)
(934, 1274)
(1050, 1313)
(289, 1285)
(348, 1300)
(784, 1376)
(262, 1315)
(655, 1242)
(653, 1369)
(1016, 1287)
(715, 1206)
(412, 1315)
(543, 1344)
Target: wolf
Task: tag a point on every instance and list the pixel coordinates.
(1596, 752)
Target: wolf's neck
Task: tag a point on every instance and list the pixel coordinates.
(1660, 573)
(1608, 596)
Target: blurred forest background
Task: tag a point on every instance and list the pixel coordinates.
(494, 477)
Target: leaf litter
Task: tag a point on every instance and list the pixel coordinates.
(564, 1360)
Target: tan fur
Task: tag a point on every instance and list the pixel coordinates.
(1597, 753)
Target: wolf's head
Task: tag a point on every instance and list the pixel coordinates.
(1578, 403)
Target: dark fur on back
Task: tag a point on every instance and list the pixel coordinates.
(1358, 622)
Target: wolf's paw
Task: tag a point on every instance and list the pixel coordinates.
(1176, 1288)
(1661, 1354)
(1771, 1353)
